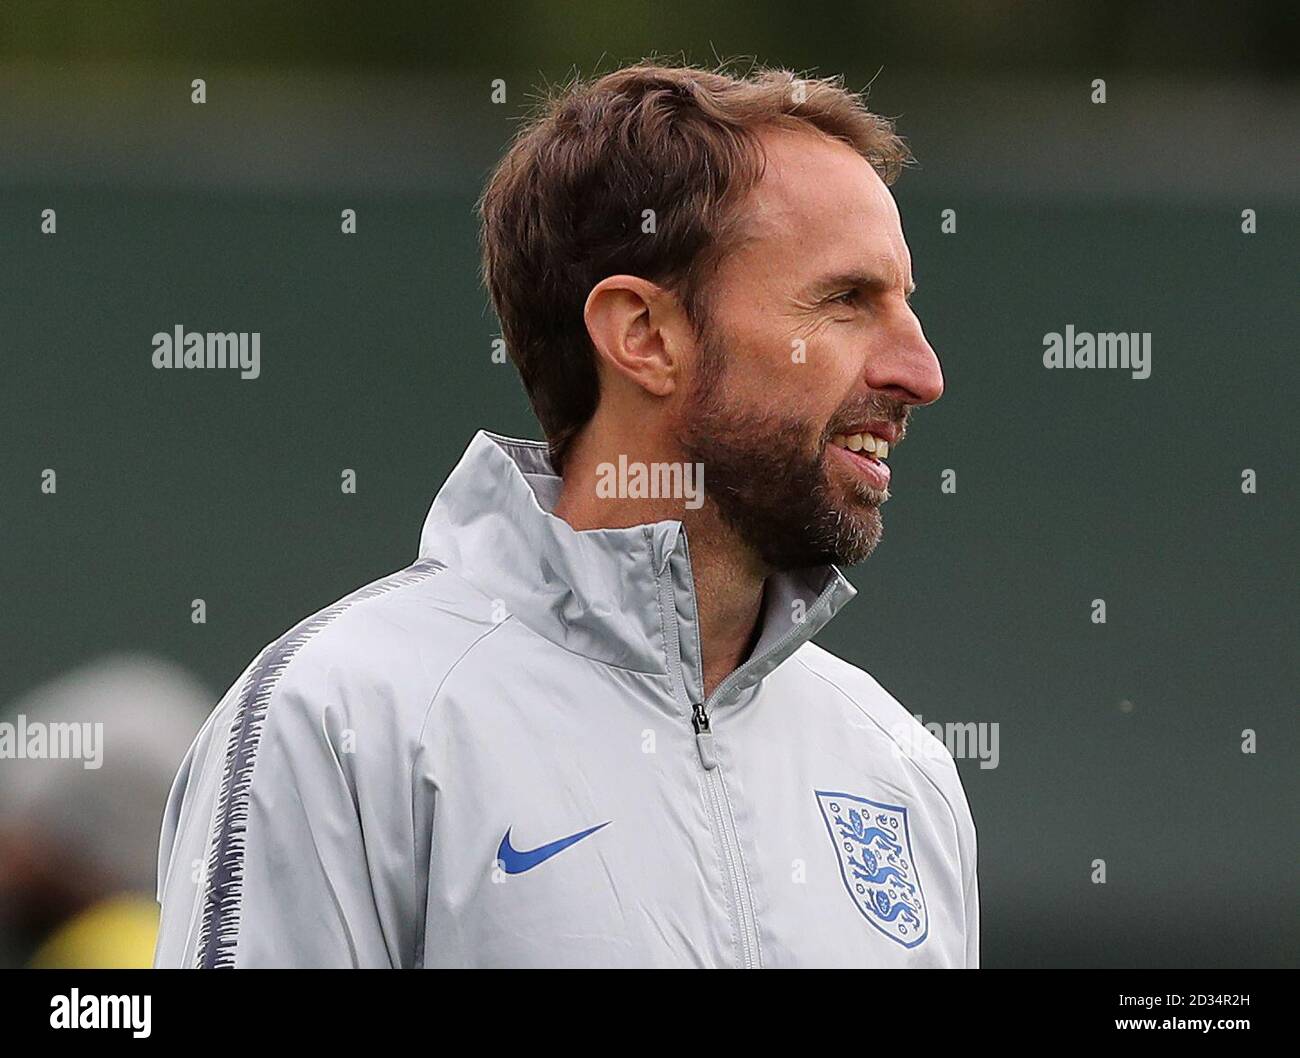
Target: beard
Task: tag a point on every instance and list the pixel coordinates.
(768, 474)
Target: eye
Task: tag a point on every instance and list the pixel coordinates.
(848, 297)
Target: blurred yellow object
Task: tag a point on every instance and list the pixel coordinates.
(114, 934)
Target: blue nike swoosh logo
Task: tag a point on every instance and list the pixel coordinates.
(515, 862)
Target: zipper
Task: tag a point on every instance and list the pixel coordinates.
(720, 809)
(725, 826)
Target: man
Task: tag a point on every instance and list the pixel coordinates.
(562, 737)
(79, 814)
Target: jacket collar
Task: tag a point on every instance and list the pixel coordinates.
(624, 597)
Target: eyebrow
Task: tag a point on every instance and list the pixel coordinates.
(858, 280)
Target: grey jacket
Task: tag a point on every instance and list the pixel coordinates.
(501, 756)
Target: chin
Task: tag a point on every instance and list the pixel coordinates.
(858, 534)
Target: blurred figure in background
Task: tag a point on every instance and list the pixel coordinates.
(78, 845)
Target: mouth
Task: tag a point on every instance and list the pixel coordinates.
(865, 452)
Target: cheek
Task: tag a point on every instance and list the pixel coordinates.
(765, 360)
(798, 357)
(831, 371)
(803, 371)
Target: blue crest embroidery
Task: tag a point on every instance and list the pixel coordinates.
(876, 862)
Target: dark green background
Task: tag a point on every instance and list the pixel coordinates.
(1072, 485)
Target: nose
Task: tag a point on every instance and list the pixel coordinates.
(903, 364)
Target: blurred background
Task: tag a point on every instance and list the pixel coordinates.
(1119, 742)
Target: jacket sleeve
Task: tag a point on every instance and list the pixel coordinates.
(970, 885)
(288, 840)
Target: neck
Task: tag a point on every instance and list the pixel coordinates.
(728, 575)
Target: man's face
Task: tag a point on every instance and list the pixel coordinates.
(810, 348)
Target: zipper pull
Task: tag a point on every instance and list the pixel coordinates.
(703, 736)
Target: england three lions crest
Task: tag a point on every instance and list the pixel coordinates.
(874, 848)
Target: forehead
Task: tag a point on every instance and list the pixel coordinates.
(820, 205)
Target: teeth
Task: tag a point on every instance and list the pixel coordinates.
(863, 442)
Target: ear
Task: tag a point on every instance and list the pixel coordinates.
(637, 329)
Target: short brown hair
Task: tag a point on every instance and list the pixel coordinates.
(563, 209)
